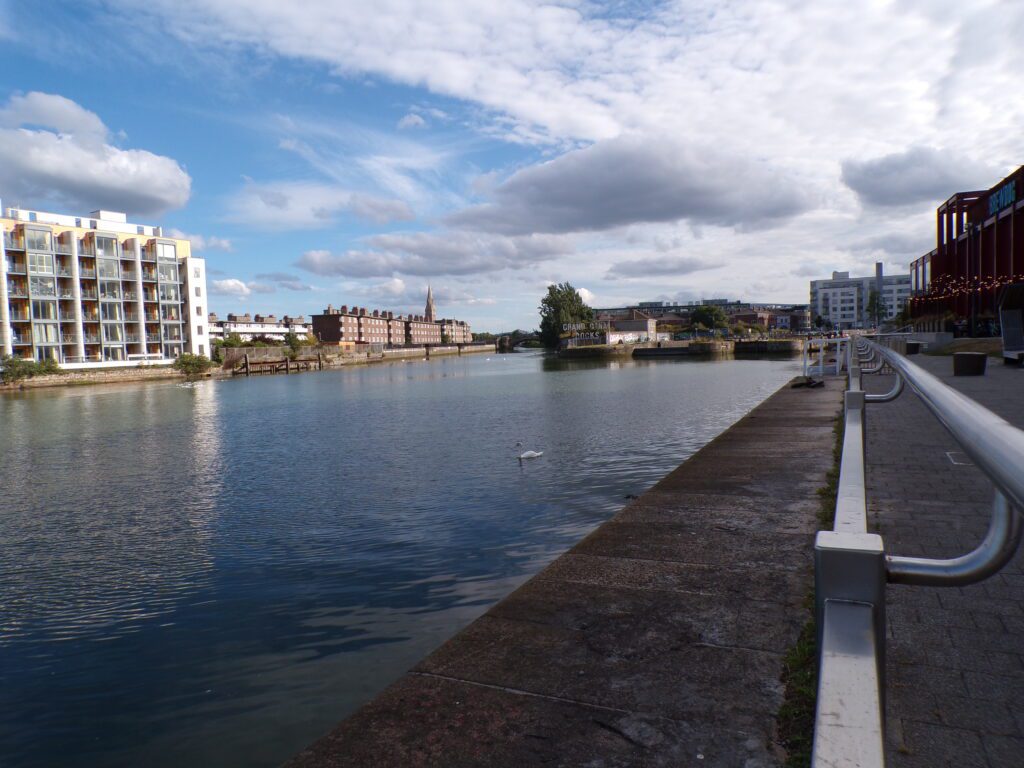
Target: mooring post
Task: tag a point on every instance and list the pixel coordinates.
(246, 363)
(287, 365)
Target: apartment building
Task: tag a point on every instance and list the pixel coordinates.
(249, 326)
(421, 332)
(97, 289)
(843, 300)
(358, 325)
(455, 331)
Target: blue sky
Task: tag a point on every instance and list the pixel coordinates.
(352, 153)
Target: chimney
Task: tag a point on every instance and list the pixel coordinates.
(344, 309)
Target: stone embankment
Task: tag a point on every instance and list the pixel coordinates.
(105, 376)
(658, 640)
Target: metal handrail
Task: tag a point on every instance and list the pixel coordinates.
(996, 447)
(852, 567)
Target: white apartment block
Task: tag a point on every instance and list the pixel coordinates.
(98, 290)
(843, 300)
(249, 327)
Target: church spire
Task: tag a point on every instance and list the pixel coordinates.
(429, 312)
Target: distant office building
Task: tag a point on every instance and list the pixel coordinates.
(843, 300)
(97, 289)
(249, 326)
(979, 249)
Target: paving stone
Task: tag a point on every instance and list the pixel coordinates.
(962, 661)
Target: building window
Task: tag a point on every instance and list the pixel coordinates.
(198, 294)
(199, 330)
(31, 215)
(40, 263)
(195, 273)
(199, 311)
(140, 230)
(202, 349)
(166, 251)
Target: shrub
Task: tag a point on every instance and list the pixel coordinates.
(18, 368)
(193, 366)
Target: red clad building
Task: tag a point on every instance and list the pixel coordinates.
(979, 249)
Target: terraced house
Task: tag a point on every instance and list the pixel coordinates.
(97, 290)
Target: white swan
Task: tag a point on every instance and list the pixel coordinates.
(530, 455)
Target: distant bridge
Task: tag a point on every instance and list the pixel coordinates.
(509, 343)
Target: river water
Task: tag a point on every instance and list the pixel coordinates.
(216, 575)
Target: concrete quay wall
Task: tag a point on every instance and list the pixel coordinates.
(658, 640)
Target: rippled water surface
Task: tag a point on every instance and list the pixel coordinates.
(216, 575)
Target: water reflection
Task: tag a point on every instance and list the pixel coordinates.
(215, 575)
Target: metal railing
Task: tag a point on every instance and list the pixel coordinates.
(852, 567)
(816, 353)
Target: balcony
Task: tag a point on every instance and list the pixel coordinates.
(63, 272)
(19, 317)
(148, 277)
(129, 274)
(15, 268)
(13, 243)
(17, 290)
(152, 337)
(92, 338)
(86, 249)
(20, 341)
(148, 255)
(69, 338)
(150, 297)
(131, 338)
(131, 296)
(60, 247)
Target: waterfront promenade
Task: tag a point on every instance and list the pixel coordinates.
(658, 640)
(955, 665)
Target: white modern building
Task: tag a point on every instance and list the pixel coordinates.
(843, 300)
(249, 327)
(98, 290)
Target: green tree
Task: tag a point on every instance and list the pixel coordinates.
(562, 304)
(709, 316)
(875, 307)
(293, 341)
(193, 366)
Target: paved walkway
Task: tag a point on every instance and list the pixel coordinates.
(955, 668)
(656, 641)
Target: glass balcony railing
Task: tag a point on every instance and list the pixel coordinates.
(87, 273)
(86, 294)
(60, 247)
(17, 289)
(63, 272)
(92, 338)
(88, 317)
(19, 317)
(13, 243)
(69, 338)
(131, 338)
(131, 317)
(149, 277)
(128, 275)
(152, 337)
(65, 294)
(20, 341)
(14, 268)
(86, 249)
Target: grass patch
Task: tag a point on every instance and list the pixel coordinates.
(795, 719)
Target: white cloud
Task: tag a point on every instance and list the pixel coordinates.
(588, 296)
(202, 242)
(302, 205)
(444, 253)
(55, 152)
(690, 128)
(411, 120)
(230, 286)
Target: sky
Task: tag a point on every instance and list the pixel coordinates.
(347, 152)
